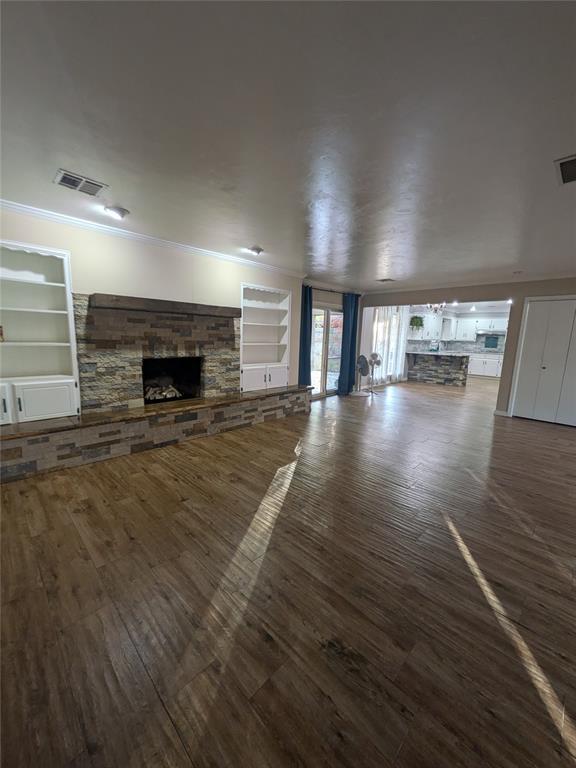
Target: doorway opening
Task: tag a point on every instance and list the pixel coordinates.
(326, 350)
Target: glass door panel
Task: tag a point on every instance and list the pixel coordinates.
(325, 351)
(335, 323)
(317, 351)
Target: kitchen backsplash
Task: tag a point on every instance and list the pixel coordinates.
(472, 347)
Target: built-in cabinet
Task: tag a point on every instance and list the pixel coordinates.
(38, 349)
(545, 375)
(265, 338)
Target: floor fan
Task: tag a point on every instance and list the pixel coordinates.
(375, 361)
(363, 368)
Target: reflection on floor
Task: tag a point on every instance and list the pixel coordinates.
(389, 582)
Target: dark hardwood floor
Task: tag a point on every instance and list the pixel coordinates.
(389, 582)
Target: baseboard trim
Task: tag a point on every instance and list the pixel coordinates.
(501, 413)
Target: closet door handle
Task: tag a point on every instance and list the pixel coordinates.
(4, 405)
(19, 404)
(269, 377)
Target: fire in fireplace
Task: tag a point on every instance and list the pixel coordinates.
(171, 378)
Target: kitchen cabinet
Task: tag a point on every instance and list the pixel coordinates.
(432, 326)
(492, 324)
(485, 365)
(466, 328)
(448, 329)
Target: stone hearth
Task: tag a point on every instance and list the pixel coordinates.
(115, 333)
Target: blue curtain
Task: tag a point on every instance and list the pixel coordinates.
(350, 302)
(304, 376)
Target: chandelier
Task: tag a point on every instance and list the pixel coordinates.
(436, 307)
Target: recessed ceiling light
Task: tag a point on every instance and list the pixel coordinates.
(510, 301)
(116, 211)
(473, 308)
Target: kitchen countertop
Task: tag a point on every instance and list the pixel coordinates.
(442, 354)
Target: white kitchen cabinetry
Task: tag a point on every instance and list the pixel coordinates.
(492, 324)
(432, 326)
(265, 338)
(485, 365)
(545, 377)
(39, 341)
(448, 329)
(466, 328)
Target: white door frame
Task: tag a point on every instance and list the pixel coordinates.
(520, 346)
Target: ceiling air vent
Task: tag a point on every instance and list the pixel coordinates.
(386, 280)
(567, 169)
(80, 183)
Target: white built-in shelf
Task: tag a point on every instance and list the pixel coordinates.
(37, 318)
(32, 282)
(39, 311)
(269, 306)
(269, 325)
(34, 344)
(265, 334)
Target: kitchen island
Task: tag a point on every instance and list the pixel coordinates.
(449, 368)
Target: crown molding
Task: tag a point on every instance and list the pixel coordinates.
(62, 218)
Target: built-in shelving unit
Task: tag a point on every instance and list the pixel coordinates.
(38, 352)
(265, 337)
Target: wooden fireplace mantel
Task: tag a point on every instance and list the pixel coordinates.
(138, 304)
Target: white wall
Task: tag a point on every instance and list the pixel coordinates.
(107, 263)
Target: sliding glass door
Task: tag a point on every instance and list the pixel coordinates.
(326, 349)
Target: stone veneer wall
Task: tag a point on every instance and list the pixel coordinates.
(112, 342)
(29, 455)
(438, 369)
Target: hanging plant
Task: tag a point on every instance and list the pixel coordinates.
(416, 321)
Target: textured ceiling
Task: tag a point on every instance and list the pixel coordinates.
(353, 141)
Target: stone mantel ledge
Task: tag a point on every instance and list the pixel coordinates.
(137, 304)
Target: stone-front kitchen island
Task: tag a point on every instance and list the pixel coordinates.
(438, 368)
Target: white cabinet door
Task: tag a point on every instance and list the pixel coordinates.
(566, 413)
(544, 355)
(466, 329)
(499, 324)
(255, 377)
(448, 329)
(432, 326)
(277, 376)
(45, 399)
(6, 409)
(476, 366)
(491, 366)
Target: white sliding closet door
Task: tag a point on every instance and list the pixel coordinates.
(542, 368)
(567, 405)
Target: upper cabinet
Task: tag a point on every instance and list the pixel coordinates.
(265, 337)
(38, 341)
(466, 328)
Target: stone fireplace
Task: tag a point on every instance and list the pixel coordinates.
(166, 379)
(116, 334)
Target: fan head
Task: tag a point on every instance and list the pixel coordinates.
(362, 365)
(375, 359)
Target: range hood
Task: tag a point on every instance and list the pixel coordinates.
(486, 332)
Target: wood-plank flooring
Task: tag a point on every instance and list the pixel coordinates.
(388, 582)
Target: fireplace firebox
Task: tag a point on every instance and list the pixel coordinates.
(171, 378)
